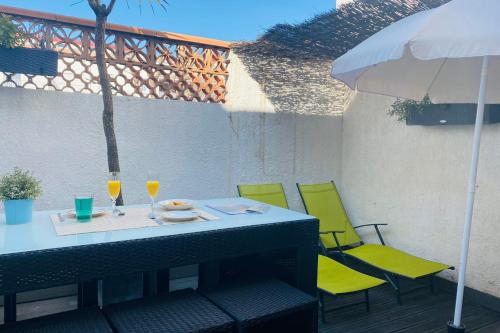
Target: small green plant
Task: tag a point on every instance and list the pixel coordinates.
(19, 184)
(401, 107)
(10, 34)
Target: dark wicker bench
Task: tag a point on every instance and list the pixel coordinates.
(77, 321)
(267, 306)
(180, 312)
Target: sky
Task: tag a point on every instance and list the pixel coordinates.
(230, 20)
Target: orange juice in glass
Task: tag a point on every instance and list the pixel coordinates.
(153, 186)
(114, 188)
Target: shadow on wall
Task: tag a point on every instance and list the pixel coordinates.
(292, 62)
(200, 150)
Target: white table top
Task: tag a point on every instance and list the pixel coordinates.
(40, 233)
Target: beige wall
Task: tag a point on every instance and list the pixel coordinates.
(414, 178)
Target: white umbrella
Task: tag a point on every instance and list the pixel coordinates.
(451, 53)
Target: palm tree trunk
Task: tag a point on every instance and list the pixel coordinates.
(107, 98)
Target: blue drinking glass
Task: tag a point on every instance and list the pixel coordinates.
(83, 208)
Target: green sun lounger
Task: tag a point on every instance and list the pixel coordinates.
(339, 236)
(334, 278)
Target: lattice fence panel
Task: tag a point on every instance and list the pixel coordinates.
(138, 65)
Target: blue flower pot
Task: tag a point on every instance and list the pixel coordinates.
(18, 211)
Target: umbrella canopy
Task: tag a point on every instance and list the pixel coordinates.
(448, 53)
(436, 52)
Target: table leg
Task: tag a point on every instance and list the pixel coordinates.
(163, 280)
(314, 320)
(87, 294)
(150, 283)
(307, 266)
(209, 275)
(156, 282)
(306, 277)
(9, 309)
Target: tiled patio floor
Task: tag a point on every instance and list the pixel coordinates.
(420, 312)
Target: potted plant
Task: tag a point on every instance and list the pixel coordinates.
(428, 114)
(21, 60)
(405, 109)
(17, 191)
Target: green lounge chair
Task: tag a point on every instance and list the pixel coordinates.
(337, 235)
(271, 194)
(334, 278)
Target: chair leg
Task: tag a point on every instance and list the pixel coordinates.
(398, 292)
(344, 259)
(394, 282)
(367, 300)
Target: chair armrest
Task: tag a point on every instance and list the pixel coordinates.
(332, 232)
(369, 225)
(375, 225)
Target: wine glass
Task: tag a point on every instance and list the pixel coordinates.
(152, 185)
(114, 187)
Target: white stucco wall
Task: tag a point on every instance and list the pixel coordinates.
(200, 150)
(414, 178)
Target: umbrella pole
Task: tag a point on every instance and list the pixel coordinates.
(456, 326)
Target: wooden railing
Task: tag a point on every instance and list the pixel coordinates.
(142, 63)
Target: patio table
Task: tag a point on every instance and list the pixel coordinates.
(33, 257)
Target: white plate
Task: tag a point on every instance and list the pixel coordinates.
(185, 204)
(180, 216)
(95, 212)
